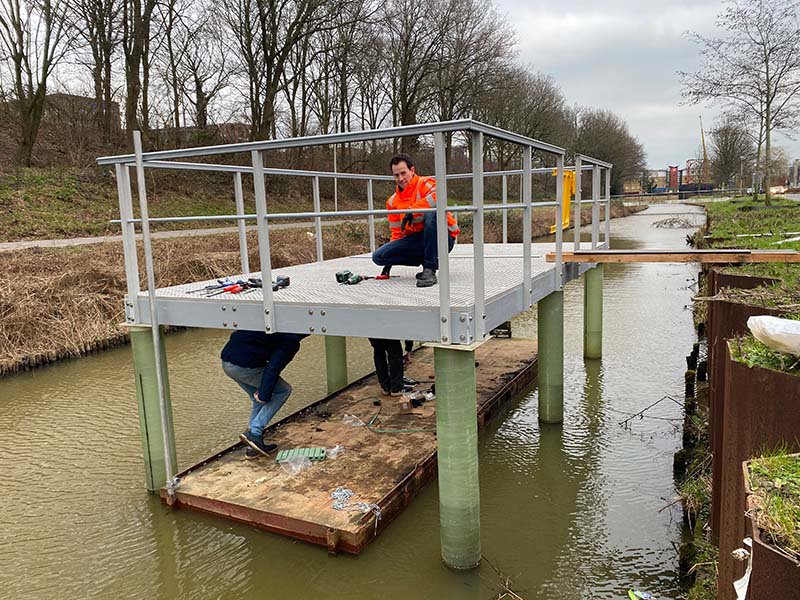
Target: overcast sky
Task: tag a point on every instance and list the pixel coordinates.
(623, 55)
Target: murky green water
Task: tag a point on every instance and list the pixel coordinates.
(566, 512)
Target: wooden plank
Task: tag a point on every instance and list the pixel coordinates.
(723, 256)
(384, 468)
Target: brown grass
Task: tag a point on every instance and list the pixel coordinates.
(66, 302)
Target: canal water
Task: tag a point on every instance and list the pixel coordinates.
(572, 512)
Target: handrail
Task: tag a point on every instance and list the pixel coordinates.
(339, 138)
(222, 168)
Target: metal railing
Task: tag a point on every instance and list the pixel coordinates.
(169, 159)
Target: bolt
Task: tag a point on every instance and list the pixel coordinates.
(462, 318)
(324, 329)
(311, 329)
(266, 311)
(224, 308)
(322, 312)
(484, 315)
(444, 338)
(463, 337)
(224, 323)
(235, 324)
(268, 328)
(444, 319)
(233, 308)
(311, 312)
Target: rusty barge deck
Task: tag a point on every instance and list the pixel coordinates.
(386, 463)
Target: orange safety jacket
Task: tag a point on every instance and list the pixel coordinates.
(419, 193)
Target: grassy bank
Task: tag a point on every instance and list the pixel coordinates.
(65, 302)
(742, 223)
(737, 223)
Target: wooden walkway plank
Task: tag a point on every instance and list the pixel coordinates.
(723, 256)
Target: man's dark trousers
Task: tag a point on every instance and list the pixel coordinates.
(388, 355)
(420, 248)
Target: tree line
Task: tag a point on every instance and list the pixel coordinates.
(290, 68)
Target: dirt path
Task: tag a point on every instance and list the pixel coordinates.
(157, 235)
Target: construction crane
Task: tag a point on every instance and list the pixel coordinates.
(704, 167)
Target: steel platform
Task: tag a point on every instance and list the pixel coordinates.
(315, 303)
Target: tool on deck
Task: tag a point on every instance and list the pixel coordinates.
(236, 288)
(281, 281)
(343, 276)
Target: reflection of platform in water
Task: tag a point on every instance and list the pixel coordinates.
(386, 464)
(395, 308)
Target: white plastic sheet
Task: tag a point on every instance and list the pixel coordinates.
(779, 334)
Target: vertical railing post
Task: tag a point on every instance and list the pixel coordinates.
(442, 233)
(265, 260)
(477, 235)
(128, 241)
(169, 453)
(595, 206)
(238, 195)
(317, 219)
(608, 210)
(576, 231)
(505, 212)
(527, 197)
(371, 218)
(559, 264)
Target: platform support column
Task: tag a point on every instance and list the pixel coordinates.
(144, 366)
(593, 313)
(457, 438)
(551, 357)
(336, 362)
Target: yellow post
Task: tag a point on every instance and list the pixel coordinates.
(569, 192)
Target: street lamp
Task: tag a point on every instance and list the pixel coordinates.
(335, 113)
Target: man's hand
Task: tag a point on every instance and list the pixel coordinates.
(259, 400)
(407, 220)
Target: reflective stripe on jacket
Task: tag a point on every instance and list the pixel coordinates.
(419, 193)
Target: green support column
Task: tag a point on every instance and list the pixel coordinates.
(336, 362)
(144, 366)
(551, 357)
(457, 438)
(593, 312)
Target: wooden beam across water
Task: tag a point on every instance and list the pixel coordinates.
(727, 256)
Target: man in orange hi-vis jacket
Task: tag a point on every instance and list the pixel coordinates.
(413, 241)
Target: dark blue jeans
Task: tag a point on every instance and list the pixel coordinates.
(417, 249)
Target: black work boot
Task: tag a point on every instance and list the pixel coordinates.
(427, 278)
(386, 270)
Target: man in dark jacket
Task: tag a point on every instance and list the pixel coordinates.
(255, 360)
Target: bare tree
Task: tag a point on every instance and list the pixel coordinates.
(524, 101)
(604, 135)
(413, 40)
(476, 42)
(137, 16)
(753, 66)
(205, 66)
(266, 32)
(731, 152)
(35, 37)
(96, 22)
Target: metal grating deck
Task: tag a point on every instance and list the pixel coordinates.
(315, 303)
